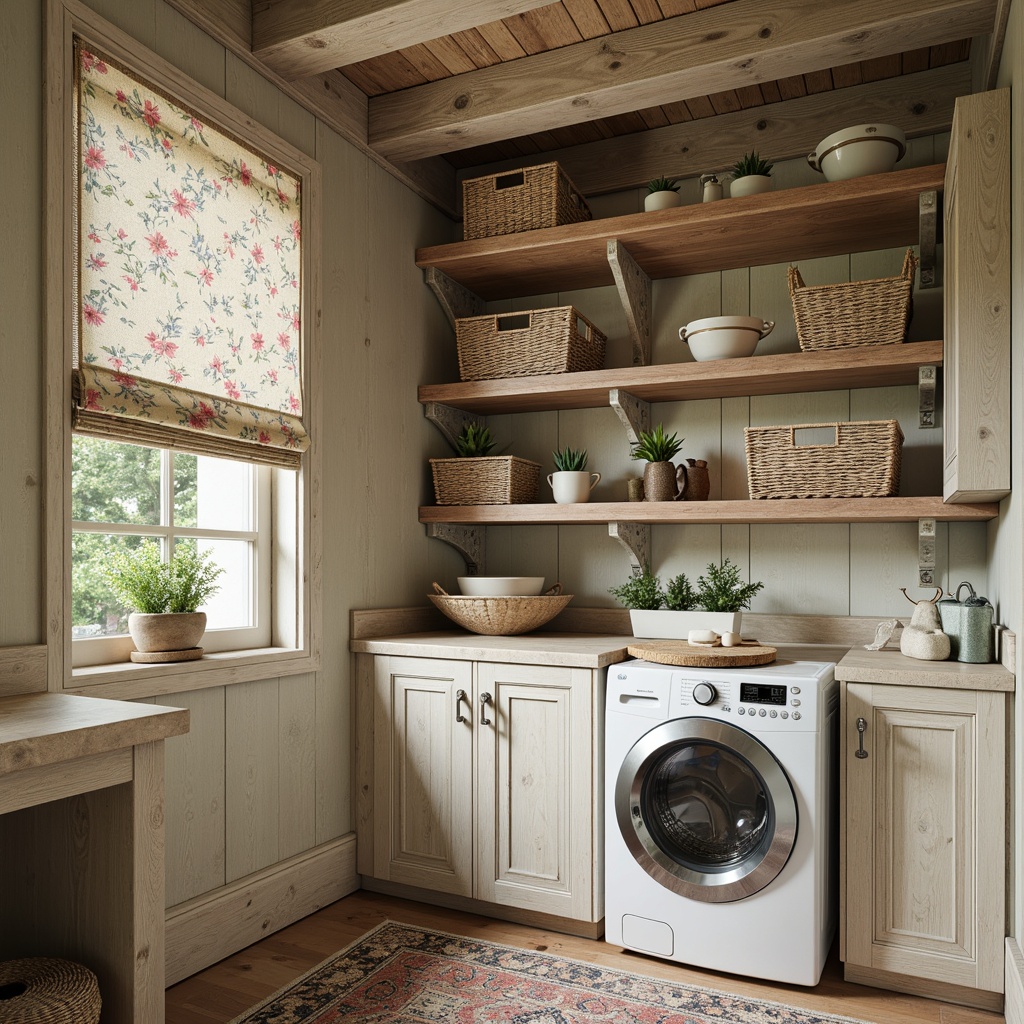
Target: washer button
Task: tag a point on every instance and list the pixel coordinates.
(741, 711)
(796, 715)
(794, 703)
(773, 713)
(763, 713)
(794, 689)
(785, 714)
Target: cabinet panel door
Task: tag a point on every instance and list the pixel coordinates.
(423, 775)
(536, 775)
(924, 833)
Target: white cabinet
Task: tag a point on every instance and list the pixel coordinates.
(923, 837)
(483, 781)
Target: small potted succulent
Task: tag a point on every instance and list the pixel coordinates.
(657, 449)
(571, 483)
(662, 193)
(750, 175)
(166, 595)
(475, 477)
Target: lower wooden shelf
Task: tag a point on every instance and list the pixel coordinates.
(787, 510)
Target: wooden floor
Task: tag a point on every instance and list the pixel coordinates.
(225, 990)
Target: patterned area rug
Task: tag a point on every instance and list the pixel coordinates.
(398, 974)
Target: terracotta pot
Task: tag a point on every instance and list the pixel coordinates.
(170, 631)
(659, 481)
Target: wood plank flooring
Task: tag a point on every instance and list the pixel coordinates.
(225, 990)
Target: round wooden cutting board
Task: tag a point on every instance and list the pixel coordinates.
(679, 652)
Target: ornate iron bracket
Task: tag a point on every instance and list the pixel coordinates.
(636, 539)
(926, 553)
(456, 300)
(634, 287)
(467, 540)
(927, 379)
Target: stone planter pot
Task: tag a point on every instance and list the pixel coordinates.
(669, 625)
(659, 481)
(167, 632)
(750, 185)
(661, 200)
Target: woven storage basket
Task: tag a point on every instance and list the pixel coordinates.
(853, 313)
(533, 197)
(555, 340)
(488, 480)
(863, 462)
(501, 616)
(44, 990)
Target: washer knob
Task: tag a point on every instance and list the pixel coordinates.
(704, 693)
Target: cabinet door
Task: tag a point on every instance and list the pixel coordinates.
(925, 833)
(423, 773)
(538, 789)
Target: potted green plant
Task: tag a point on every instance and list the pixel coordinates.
(571, 483)
(662, 193)
(750, 175)
(657, 448)
(716, 602)
(166, 595)
(475, 477)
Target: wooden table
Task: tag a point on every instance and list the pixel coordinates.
(82, 841)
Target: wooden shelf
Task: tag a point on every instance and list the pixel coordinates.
(789, 510)
(875, 212)
(788, 373)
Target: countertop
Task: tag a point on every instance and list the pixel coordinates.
(893, 668)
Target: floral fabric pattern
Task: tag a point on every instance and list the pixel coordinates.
(189, 269)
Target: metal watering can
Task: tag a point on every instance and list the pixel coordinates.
(968, 624)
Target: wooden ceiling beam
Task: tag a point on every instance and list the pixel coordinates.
(920, 103)
(736, 45)
(305, 37)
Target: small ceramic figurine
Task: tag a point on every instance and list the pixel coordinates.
(923, 638)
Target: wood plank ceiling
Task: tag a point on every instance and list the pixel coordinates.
(618, 91)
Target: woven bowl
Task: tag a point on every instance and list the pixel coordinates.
(501, 616)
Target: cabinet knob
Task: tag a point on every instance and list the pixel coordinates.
(862, 727)
(485, 699)
(460, 696)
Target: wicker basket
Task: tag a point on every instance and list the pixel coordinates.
(862, 462)
(45, 990)
(501, 616)
(853, 313)
(488, 480)
(532, 197)
(555, 340)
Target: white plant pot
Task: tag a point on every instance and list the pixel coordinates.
(570, 487)
(750, 184)
(661, 200)
(669, 625)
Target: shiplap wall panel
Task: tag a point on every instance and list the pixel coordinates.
(297, 764)
(199, 56)
(805, 569)
(194, 796)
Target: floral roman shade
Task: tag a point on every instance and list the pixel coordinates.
(189, 329)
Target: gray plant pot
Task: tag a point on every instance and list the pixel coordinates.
(169, 631)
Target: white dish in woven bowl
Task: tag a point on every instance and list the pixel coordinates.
(501, 586)
(724, 337)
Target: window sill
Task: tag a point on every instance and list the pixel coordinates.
(129, 681)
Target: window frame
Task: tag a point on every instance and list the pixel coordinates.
(296, 608)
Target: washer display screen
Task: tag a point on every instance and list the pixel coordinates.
(759, 693)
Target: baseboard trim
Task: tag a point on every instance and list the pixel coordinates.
(943, 991)
(533, 918)
(1014, 982)
(217, 924)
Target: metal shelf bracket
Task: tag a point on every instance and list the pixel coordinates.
(929, 211)
(636, 539)
(467, 540)
(456, 300)
(634, 412)
(634, 287)
(448, 420)
(927, 379)
(926, 553)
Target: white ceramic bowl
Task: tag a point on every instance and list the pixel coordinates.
(724, 337)
(862, 149)
(501, 586)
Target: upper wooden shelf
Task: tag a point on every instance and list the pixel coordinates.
(875, 212)
(784, 374)
(786, 510)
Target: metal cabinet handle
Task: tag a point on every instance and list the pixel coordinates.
(485, 699)
(862, 727)
(460, 696)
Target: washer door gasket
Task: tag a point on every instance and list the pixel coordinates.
(706, 809)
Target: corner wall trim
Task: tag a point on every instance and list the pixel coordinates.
(215, 925)
(1014, 982)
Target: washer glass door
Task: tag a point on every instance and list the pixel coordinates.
(706, 809)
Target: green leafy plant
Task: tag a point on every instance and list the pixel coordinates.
(570, 460)
(641, 592)
(474, 441)
(751, 163)
(655, 446)
(662, 185)
(680, 595)
(721, 590)
(142, 579)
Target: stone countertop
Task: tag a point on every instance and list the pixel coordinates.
(894, 669)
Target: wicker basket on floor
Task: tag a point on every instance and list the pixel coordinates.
(555, 340)
(532, 197)
(862, 462)
(853, 313)
(487, 480)
(45, 990)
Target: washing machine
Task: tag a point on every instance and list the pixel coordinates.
(721, 823)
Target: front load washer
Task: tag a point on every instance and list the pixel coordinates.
(720, 824)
